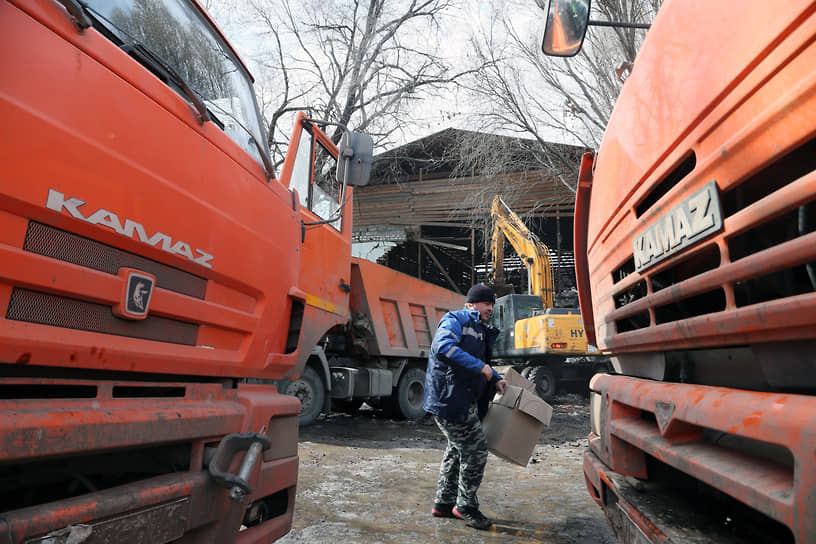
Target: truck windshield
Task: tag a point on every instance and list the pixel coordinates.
(180, 36)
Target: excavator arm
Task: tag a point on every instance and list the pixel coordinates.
(507, 225)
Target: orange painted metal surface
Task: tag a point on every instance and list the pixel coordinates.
(677, 439)
(722, 95)
(111, 421)
(740, 112)
(324, 273)
(110, 183)
(597, 479)
(403, 310)
(582, 198)
(690, 71)
(128, 144)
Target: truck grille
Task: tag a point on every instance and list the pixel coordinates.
(765, 253)
(59, 311)
(65, 246)
(56, 311)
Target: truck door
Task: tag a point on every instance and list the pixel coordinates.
(325, 211)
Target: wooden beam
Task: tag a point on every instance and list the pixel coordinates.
(441, 269)
(441, 244)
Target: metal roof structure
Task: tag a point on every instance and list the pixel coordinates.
(421, 199)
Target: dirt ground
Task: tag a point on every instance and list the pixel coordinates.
(367, 479)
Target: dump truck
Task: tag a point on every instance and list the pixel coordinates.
(695, 245)
(151, 265)
(547, 345)
(379, 356)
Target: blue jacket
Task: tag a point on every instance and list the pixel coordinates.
(460, 348)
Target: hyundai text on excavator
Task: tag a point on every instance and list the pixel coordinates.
(695, 244)
(150, 267)
(546, 344)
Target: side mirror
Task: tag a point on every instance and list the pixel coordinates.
(567, 22)
(354, 161)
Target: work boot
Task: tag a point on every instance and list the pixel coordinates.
(473, 516)
(442, 510)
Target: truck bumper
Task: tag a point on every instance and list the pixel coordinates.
(95, 466)
(718, 459)
(158, 510)
(627, 522)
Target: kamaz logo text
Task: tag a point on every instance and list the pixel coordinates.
(693, 219)
(105, 218)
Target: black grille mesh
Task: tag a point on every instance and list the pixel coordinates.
(65, 246)
(57, 311)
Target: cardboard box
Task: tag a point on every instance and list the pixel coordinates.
(514, 378)
(515, 420)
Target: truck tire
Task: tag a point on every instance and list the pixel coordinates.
(545, 380)
(409, 393)
(311, 391)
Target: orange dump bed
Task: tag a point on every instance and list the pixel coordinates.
(403, 311)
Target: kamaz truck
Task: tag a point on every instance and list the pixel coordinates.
(151, 266)
(695, 249)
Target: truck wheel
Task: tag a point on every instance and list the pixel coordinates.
(545, 381)
(311, 391)
(409, 394)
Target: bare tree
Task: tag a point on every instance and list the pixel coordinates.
(507, 165)
(355, 62)
(518, 90)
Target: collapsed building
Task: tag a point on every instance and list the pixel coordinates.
(426, 211)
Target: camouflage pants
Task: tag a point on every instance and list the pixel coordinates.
(464, 461)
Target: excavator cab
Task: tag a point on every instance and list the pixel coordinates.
(506, 312)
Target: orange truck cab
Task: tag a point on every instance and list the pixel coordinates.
(695, 244)
(151, 265)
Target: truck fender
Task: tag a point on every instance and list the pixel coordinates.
(397, 372)
(317, 359)
(581, 245)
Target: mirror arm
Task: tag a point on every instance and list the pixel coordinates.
(620, 24)
(338, 213)
(331, 123)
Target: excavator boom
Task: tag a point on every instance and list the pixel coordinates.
(536, 256)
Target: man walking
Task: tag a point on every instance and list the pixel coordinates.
(457, 376)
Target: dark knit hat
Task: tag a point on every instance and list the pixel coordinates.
(480, 293)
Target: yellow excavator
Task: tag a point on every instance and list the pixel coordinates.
(546, 343)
